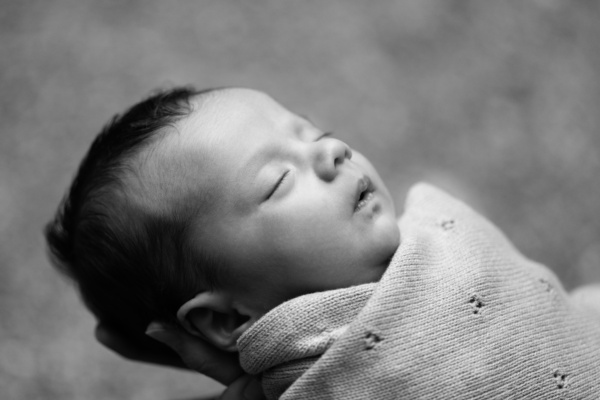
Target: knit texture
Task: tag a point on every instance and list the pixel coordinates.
(459, 314)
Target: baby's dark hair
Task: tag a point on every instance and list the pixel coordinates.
(131, 266)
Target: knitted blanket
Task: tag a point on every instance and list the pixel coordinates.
(459, 314)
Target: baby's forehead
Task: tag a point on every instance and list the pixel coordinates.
(235, 96)
(234, 104)
(172, 167)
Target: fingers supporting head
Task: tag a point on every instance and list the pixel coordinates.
(136, 347)
(197, 354)
(161, 333)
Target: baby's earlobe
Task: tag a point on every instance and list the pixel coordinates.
(212, 317)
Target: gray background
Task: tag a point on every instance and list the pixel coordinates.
(496, 101)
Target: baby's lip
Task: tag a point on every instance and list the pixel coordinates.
(363, 187)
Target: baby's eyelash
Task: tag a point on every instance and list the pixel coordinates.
(279, 182)
(325, 135)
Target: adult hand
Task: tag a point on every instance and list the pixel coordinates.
(182, 350)
(137, 347)
(245, 387)
(198, 355)
(171, 347)
(206, 359)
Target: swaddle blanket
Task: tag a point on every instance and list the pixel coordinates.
(459, 314)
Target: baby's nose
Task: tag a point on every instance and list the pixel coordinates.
(329, 155)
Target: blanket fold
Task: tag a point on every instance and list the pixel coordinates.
(459, 314)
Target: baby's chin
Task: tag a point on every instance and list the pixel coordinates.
(379, 267)
(392, 246)
(384, 265)
(388, 239)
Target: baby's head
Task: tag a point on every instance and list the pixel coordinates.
(209, 208)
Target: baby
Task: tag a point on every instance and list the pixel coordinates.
(213, 207)
(228, 215)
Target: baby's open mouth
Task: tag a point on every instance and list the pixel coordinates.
(364, 193)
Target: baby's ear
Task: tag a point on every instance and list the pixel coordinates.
(213, 317)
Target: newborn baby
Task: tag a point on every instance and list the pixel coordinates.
(224, 213)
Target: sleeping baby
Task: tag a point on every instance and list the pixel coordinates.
(222, 212)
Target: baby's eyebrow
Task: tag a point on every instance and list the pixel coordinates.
(257, 159)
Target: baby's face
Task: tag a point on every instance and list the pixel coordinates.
(291, 210)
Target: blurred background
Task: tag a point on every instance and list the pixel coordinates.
(496, 101)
